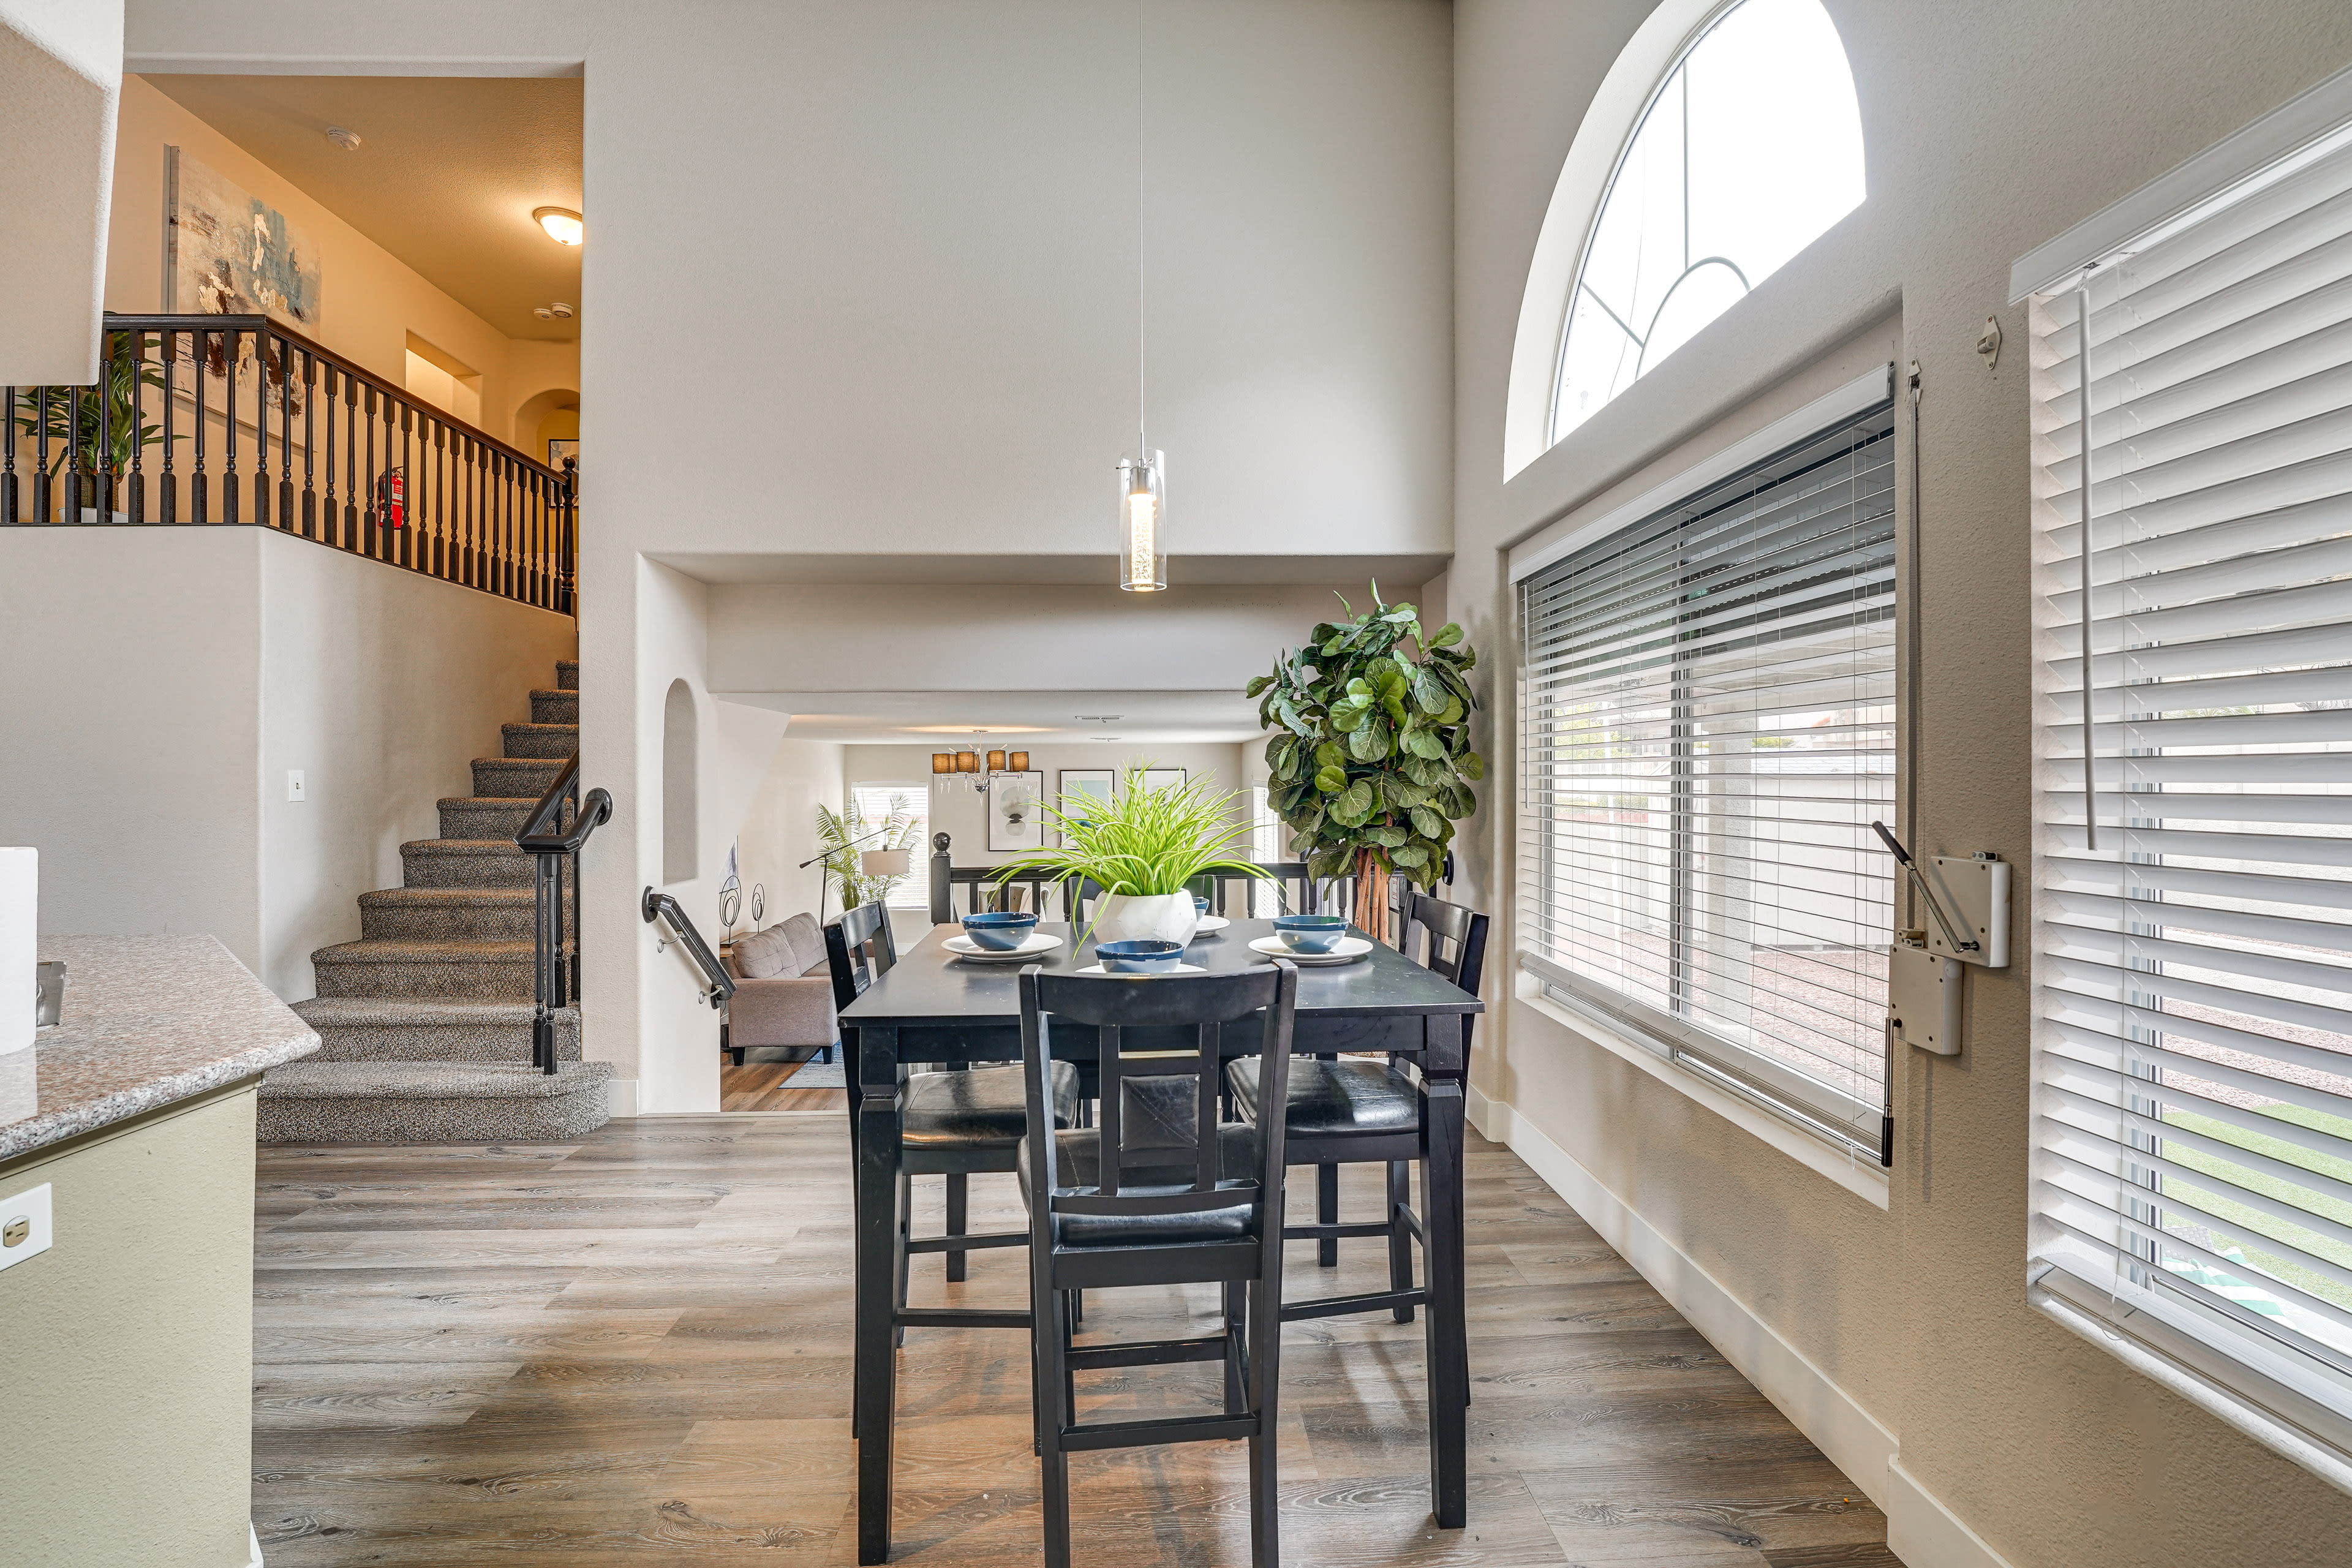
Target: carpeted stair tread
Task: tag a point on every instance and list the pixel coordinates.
(392, 1012)
(556, 707)
(567, 674)
(414, 1029)
(557, 742)
(429, 1081)
(448, 897)
(424, 950)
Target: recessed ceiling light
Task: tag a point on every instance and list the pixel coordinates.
(1097, 718)
(349, 141)
(562, 225)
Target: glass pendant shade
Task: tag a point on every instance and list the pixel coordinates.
(1143, 523)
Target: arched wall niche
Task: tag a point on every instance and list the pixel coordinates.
(681, 785)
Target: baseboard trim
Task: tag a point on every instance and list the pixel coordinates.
(1919, 1529)
(621, 1096)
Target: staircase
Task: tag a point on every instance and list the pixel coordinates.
(424, 1021)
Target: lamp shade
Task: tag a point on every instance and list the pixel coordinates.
(967, 762)
(884, 862)
(1019, 762)
(996, 761)
(942, 762)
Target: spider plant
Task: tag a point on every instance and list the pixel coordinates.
(1141, 841)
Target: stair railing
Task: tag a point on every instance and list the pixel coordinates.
(662, 907)
(235, 420)
(559, 824)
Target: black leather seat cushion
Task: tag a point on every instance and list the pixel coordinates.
(1077, 1158)
(979, 1107)
(1333, 1099)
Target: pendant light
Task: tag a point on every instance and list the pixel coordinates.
(1142, 478)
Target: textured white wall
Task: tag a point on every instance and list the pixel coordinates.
(1991, 125)
(60, 70)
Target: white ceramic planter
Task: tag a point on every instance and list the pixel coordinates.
(1128, 916)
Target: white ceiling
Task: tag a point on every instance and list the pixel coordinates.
(446, 176)
(1402, 574)
(945, 719)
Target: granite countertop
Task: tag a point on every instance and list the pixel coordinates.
(148, 1021)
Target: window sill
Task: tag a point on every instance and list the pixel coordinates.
(1868, 1183)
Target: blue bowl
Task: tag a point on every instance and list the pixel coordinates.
(1200, 905)
(1311, 933)
(1000, 933)
(1142, 955)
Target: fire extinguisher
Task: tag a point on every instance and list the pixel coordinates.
(391, 498)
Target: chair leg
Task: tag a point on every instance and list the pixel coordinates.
(1327, 1212)
(1048, 1337)
(898, 1247)
(1236, 1348)
(1266, 1382)
(959, 1208)
(1400, 1233)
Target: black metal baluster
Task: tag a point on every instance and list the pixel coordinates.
(231, 494)
(477, 569)
(169, 512)
(44, 487)
(412, 525)
(8, 464)
(72, 508)
(538, 537)
(200, 490)
(310, 445)
(111, 345)
(352, 495)
(571, 546)
(509, 548)
(374, 493)
(136, 501)
(326, 519)
(264, 493)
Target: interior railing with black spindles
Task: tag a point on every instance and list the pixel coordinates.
(419, 488)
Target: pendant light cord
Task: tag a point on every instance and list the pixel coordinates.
(1142, 446)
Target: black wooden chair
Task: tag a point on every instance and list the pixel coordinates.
(1291, 880)
(956, 1122)
(1178, 1198)
(982, 890)
(1346, 1111)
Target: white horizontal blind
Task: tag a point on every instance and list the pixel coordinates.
(873, 803)
(1707, 733)
(2194, 1103)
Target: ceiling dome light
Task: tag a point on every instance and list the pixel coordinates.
(348, 141)
(562, 225)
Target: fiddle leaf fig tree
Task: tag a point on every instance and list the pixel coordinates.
(1372, 765)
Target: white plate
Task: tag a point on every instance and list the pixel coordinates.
(1209, 924)
(1348, 949)
(1035, 944)
(1098, 970)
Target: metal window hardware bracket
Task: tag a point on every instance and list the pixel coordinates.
(1923, 967)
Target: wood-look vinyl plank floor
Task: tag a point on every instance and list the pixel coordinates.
(637, 1349)
(767, 1086)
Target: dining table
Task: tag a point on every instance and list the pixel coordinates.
(934, 1008)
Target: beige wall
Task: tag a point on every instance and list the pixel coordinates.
(371, 301)
(1901, 1333)
(163, 681)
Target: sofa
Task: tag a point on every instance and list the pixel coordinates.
(783, 991)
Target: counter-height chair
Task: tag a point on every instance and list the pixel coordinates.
(1349, 1111)
(1161, 1193)
(956, 1122)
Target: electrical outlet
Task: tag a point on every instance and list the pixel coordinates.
(296, 788)
(25, 1227)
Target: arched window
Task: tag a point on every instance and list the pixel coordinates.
(681, 800)
(1749, 149)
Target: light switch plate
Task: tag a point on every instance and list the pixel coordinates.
(1975, 894)
(25, 1227)
(295, 789)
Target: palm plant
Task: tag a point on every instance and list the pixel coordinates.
(845, 836)
(1142, 841)
(101, 433)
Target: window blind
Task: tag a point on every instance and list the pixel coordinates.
(2193, 1118)
(873, 803)
(1707, 734)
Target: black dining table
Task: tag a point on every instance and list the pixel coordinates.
(932, 1008)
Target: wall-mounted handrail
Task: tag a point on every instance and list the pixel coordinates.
(671, 912)
(553, 843)
(336, 454)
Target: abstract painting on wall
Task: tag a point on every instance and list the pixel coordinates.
(232, 254)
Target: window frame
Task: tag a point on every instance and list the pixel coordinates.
(913, 891)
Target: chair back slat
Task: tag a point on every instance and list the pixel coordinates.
(858, 951)
(1158, 1109)
(1456, 940)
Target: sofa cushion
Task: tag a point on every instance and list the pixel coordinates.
(765, 955)
(807, 940)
